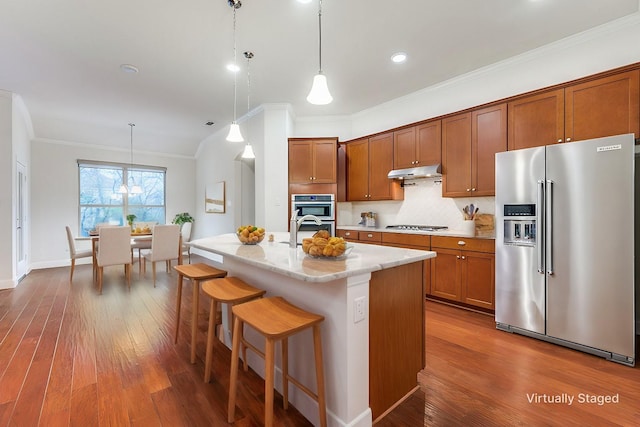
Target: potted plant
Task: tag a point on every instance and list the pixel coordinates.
(130, 219)
(181, 218)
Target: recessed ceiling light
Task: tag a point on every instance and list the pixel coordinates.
(399, 57)
(209, 123)
(233, 68)
(128, 68)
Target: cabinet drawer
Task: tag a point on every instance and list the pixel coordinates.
(407, 239)
(347, 234)
(463, 243)
(370, 236)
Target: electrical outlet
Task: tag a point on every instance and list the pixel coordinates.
(359, 309)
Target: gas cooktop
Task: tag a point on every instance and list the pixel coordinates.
(418, 227)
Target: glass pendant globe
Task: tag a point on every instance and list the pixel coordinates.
(234, 133)
(319, 94)
(248, 152)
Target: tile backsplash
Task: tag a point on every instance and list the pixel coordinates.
(423, 204)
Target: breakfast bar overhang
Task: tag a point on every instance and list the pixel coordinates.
(371, 358)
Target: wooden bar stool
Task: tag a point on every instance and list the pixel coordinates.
(276, 319)
(197, 273)
(231, 291)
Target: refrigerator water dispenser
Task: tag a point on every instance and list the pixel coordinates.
(520, 225)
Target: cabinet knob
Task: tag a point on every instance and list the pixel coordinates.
(463, 257)
(369, 235)
(560, 140)
(310, 178)
(347, 234)
(468, 189)
(461, 243)
(473, 189)
(568, 139)
(458, 256)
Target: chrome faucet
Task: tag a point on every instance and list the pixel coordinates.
(294, 226)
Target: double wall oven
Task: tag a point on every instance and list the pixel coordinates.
(322, 206)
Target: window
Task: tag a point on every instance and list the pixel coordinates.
(100, 201)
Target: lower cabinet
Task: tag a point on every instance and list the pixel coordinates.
(464, 270)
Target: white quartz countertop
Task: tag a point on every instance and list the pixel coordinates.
(276, 256)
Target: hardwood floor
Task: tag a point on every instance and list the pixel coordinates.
(69, 356)
(479, 376)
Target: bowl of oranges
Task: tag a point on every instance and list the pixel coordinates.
(250, 234)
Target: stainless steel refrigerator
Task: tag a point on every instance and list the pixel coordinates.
(565, 245)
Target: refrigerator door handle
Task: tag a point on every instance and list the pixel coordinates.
(541, 230)
(549, 226)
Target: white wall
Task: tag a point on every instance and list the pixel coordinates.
(6, 192)
(54, 191)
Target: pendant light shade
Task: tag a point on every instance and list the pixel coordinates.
(234, 130)
(234, 133)
(319, 94)
(248, 152)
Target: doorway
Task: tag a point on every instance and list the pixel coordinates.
(21, 221)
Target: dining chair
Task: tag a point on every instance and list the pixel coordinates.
(75, 254)
(165, 246)
(185, 232)
(114, 249)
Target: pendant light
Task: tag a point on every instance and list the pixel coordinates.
(319, 93)
(248, 150)
(135, 189)
(234, 130)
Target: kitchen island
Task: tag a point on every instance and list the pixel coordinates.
(371, 355)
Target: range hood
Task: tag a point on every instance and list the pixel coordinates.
(417, 172)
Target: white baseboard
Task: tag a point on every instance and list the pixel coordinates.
(7, 284)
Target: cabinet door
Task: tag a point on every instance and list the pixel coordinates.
(380, 163)
(478, 279)
(404, 148)
(358, 170)
(429, 143)
(536, 120)
(445, 274)
(603, 107)
(456, 156)
(325, 156)
(300, 162)
(488, 137)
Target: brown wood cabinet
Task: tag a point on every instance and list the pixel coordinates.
(368, 162)
(463, 270)
(313, 161)
(601, 107)
(417, 145)
(469, 144)
(536, 120)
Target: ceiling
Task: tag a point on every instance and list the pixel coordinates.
(64, 57)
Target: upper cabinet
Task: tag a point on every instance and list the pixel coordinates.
(368, 161)
(469, 144)
(417, 145)
(313, 161)
(536, 120)
(601, 107)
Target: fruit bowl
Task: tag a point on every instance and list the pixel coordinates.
(250, 234)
